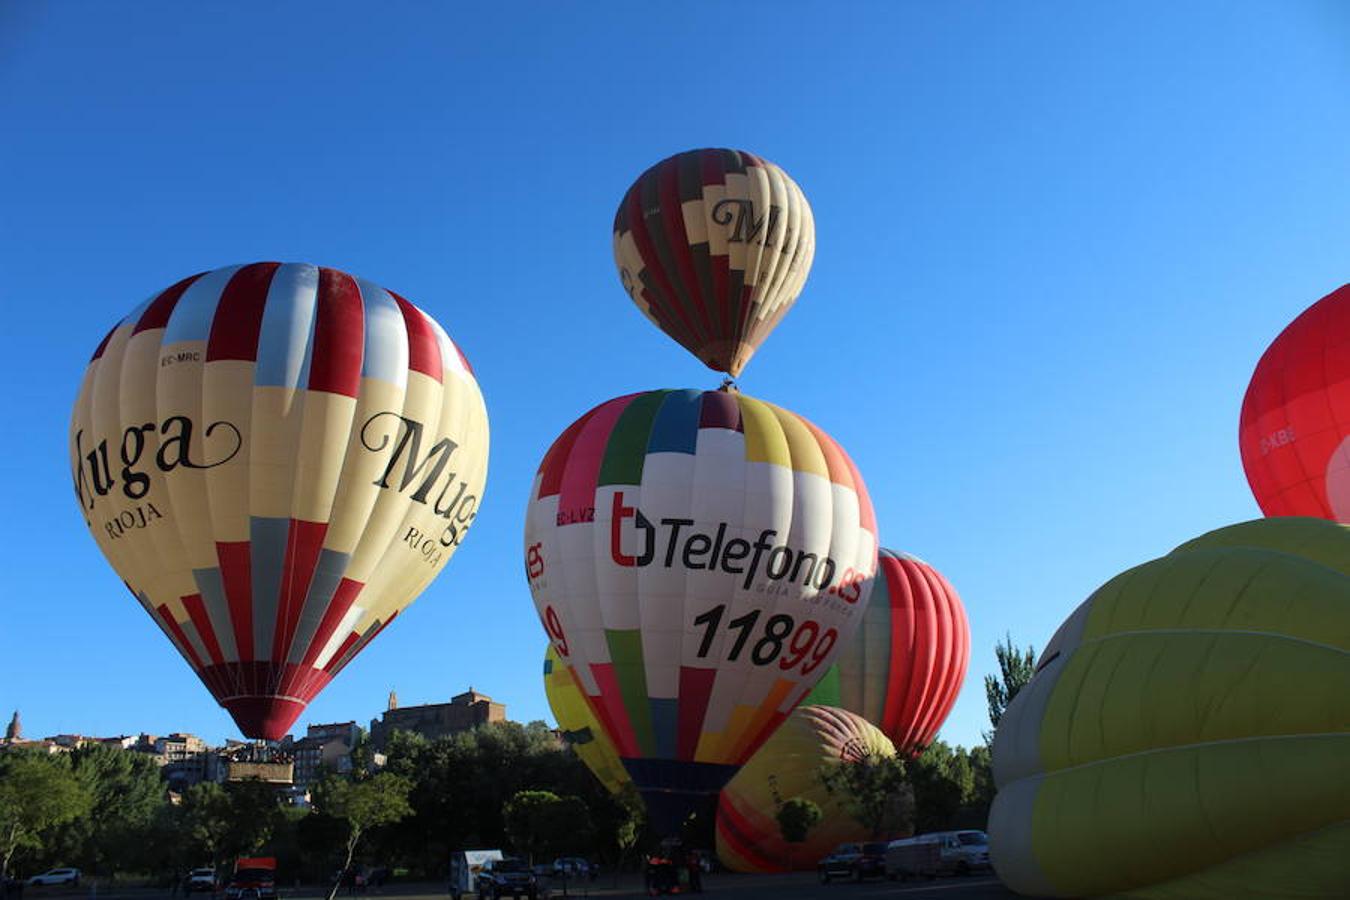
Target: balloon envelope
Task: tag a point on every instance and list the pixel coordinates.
(1294, 430)
(697, 560)
(579, 727)
(1185, 734)
(789, 765)
(276, 459)
(714, 246)
(904, 668)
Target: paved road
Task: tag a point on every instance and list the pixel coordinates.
(804, 886)
(795, 886)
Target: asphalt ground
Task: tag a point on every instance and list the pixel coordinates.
(793, 886)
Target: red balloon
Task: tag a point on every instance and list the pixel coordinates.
(904, 668)
(1295, 426)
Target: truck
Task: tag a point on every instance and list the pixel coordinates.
(254, 878)
(465, 867)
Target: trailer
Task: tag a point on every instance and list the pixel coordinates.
(464, 868)
(915, 857)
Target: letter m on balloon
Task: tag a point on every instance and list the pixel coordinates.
(747, 227)
(407, 450)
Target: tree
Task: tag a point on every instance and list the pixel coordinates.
(796, 818)
(255, 813)
(542, 823)
(125, 791)
(975, 813)
(36, 794)
(1015, 670)
(943, 783)
(206, 818)
(364, 805)
(875, 791)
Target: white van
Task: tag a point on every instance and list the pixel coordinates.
(938, 853)
(967, 850)
(464, 868)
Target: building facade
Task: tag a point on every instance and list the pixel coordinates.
(437, 720)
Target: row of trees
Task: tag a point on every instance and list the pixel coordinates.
(503, 785)
(107, 811)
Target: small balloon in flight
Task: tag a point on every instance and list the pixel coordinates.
(714, 246)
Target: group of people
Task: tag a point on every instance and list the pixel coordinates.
(675, 872)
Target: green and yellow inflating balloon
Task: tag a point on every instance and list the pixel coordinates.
(1187, 733)
(789, 765)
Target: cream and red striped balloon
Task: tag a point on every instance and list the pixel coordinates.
(904, 668)
(277, 459)
(714, 246)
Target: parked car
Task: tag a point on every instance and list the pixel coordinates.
(203, 879)
(507, 877)
(56, 876)
(573, 868)
(854, 861)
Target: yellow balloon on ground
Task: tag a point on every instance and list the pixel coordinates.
(788, 766)
(1187, 732)
(580, 729)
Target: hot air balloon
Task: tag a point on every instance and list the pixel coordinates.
(276, 459)
(714, 247)
(579, 727)
(787, 766)
(904, 668)
(697, 559)
(1185, 733)
(1294, 431)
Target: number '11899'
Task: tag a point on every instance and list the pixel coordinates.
(804, 642)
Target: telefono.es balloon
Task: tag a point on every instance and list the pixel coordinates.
(277, 459)
(697, 559)
(714, 246)
(1294, 430)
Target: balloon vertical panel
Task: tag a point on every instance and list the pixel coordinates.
(277, 458)
(578, 725)
(697, 559)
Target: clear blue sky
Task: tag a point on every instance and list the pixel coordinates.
(1053, 240)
